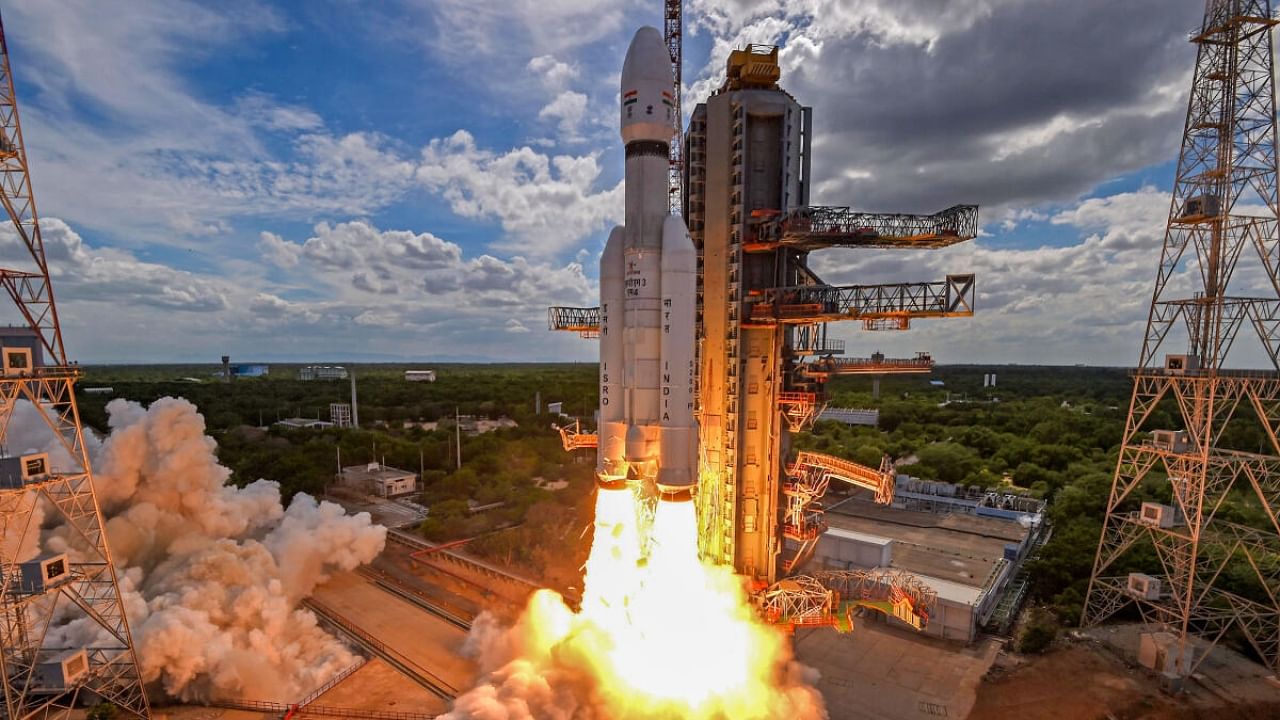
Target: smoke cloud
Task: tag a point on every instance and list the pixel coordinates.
(212, 574)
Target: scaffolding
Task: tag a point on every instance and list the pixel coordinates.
(572, 437)
(806, 483)
(815, 228)
(583, 320)
(1207, 569)
(45, 674)
(829, 598)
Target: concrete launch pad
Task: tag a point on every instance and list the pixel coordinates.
(960, 548)
(421, 637)
(380, 687)
(880, 673)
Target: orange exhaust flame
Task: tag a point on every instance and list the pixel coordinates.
(660, 638)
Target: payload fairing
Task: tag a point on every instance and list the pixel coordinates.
(648, 277)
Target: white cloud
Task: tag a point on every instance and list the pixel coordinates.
(111, 275)
(347, 268)
(555, 74)
(546, 204)
(468, 30)
(568, 108)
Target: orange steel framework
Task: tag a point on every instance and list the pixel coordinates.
(33, 614)
(828, 598)
(807, 481)
(572, 438)
(673, 32)
(1211, 565)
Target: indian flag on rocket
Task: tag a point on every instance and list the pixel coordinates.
(628, 98)
(667, 99)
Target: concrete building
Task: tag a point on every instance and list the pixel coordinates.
(322, 372)
(340, 415)
(940, 497)
(381, 480)
(420, 375)
(969, 560)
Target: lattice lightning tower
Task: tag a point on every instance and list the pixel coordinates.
(64, 637)
(1199, 557)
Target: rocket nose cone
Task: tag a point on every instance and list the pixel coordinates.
(646, 93)
(646, 53)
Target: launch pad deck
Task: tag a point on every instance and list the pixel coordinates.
(956, 547)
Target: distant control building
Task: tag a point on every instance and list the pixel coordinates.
(380, 480)
(304, 423)
(322, 372)
(420, 375)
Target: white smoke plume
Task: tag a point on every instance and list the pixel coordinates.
(212, 574)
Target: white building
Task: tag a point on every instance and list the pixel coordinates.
(381, 480)
(304, 423)
(340, 414)
(968, 560)
(322, 372)
(420, 375)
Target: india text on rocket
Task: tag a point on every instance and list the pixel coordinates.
(647, 286)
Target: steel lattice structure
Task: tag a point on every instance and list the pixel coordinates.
(72, 604)
(673, 33)
(806, 304)
(817, 227)
(1224, 199)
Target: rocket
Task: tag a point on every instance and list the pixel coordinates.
(648, 276)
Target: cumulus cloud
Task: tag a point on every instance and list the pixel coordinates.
(546, 204)
(84, 273)
(993, 115)
(568, 108)
(554, 73)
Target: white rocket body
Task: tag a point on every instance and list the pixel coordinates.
(647, 286)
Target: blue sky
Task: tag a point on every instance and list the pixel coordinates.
(418, 180)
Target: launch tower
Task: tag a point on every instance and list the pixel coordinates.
(762, 314)
(64, 637)
(1191, 507)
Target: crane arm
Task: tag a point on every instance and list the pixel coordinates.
(582, 320)
(953, 297)
(814, 228)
